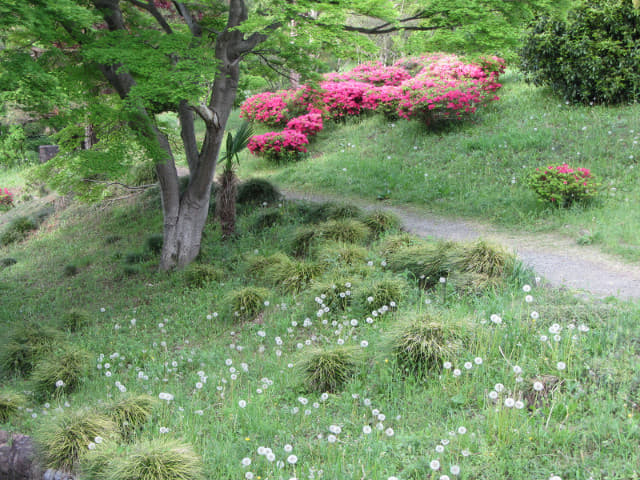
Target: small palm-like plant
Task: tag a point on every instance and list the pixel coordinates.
(328, 369)
(228, 180)
(421, 343)
(10, 403)
(156, 459)
(63, 439)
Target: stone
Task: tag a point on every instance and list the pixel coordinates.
(17, 460)
(47, 152)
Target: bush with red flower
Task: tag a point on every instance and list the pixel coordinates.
(308, 124)
(270, 108)
(287, 145)
(6, 199)
(562, 185)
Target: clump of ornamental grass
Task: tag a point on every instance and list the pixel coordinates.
(345, 230)
(336, 254)
(257, 191)
(133, 258)
(472, 284)
(267, 219)
(155, 459)
(391, 244)
(112, 239)
(70, 270)
(154, 243)
(328, 369)
(10, 404)
(248, 302)
(75, 320)
(18, 230)
(257, 265)
(198, 275)
(333, 293)
(381, 221)
(24, 345)
(324, 212)
(422, 342)
(302, 241)
(427, 263)
(59, 372)
(131, 413)
(65, 437)
(293, 276)
(486, 259)
(387, 291)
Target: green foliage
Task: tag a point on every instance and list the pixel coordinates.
(257, 191)
(422, 342)
(267, 219)
(302, 240)
(12, 146)
(259, 266)
(470, 284)
(70, 270)
(486, 259)
(60, 371)
(293, 276)
(427, 263)
(328, 369)
(563, 186)
(133, 258)
(25, 343)
(154, 243)
(66, 437)
(381, 221)
(198, 275)
(336, 254)
(131, 413)
(76, 320)
(248, 302)
(10, 403)
(18, 230)
(387, 292)
(345, 230)
(143, 173)
(392, 243)
(590, 57)
(155, 459)
(334, 293)
(7, 262)
(323, 212)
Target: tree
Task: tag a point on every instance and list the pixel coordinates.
(118, 64)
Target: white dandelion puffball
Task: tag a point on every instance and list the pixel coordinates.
(538, 386)
(292, 459)
(561, 365)
(246, 461)
(366, 429)
(509, 402)
(434, 464)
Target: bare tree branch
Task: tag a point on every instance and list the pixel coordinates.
(151, 8)
(123, 185)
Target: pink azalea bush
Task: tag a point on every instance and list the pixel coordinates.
(562, 185)
(279, 146)
(429, 88)
(6, 198)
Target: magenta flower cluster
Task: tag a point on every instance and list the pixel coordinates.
(429, 88)
(6, 197)
(562, 185)
(279, 146)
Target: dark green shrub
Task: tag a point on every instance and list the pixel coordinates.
(381, 221)
(70, 270)
(257, 191)
(154, 243)
(345, 230)
(197, 275)
(302, 240)
(7, 262)
(10, 403)
(593, 56)
(59, 371)
(422, 342)
(24, 345)
(267, 219)
(328, 369)
(18, 230)
(131, 270)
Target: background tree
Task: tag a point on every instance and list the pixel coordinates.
(118, 64)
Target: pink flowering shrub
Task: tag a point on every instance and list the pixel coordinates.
(562, 185)
(308, 124)
(384, 100)
(279, 146)
(343, 98)
(374, 73)
(6, 198)
(270, 108)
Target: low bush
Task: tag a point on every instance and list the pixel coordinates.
(70, 270)
(562, 186)
(257, 191)
(328, 369)
(7, 262)
(154, 243)
(279, 147)
(18, 230)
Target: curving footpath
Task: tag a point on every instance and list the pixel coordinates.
(581, 269)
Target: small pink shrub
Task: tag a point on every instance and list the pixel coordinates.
(269, 107)
(287, 145)
(6, 198)
(308, 124)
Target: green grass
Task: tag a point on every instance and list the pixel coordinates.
(479, 168)
(235, 387)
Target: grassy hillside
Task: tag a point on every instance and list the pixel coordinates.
(504, 385)
(478, 169)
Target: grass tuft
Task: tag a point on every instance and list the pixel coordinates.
(328, 369)
(67, 365)
(381, 221)
(427, 262)
(248, 302)
(198, 275)
(154, 243)
(324, 212)
(422, 342)
(302, 241)
(75, 320)
(293, 276)
(131, 413)
(384, 292)
(10, 404)
(24, 345)
(257, 191)
(18, 230)
(335, 254)
(393, 243)
(345, 230)
(486, 259)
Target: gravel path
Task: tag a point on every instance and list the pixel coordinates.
(560, 261)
